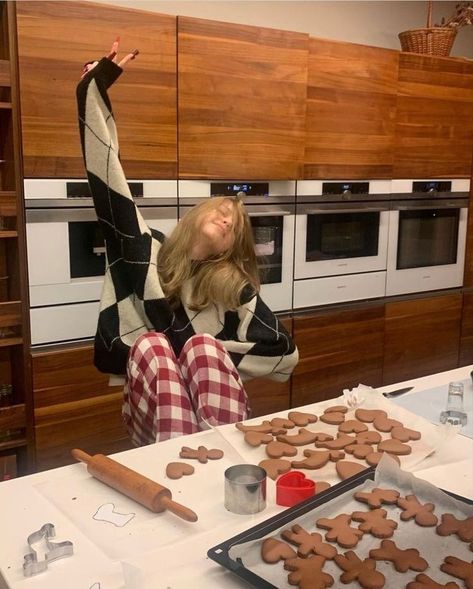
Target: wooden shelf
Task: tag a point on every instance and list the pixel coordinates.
(10, 341)
(13, 417)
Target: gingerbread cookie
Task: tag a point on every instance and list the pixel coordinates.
(273, 550)
(369, 415)
(403, 560)
(277, 449)
(377, 496)
(359, 450)
(307, 573)
(264, 428)
(340, 531)
(317, 458)
(373, 458)
(461, 569)
(339, 443)
(201, 454)
(463, 528)
(346, 469)
(255, 439)
(176, 470)
(333, 418)
(275, 466)
(321, 486)
(369, 437)
(336, 409)
(280, 422)
(363, 571)
(394, 447)
(352, 426)
(385, 424)
(424, 582)
(301, 419)
(375, 523)
(302, 438)
(404, 434)
(308, 543)
(413, 509)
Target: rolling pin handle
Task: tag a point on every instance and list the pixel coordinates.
(81, 455)
(178, 509)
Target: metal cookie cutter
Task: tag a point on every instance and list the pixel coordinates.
(54, 550)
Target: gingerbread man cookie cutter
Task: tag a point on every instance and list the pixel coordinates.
(54, 550)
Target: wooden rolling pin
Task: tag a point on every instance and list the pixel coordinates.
(132, 484)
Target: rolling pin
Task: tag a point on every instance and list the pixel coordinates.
(132, 484)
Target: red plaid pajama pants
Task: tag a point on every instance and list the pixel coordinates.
(166, 397)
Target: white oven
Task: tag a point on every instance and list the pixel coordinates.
(271, 207)
(66, 253)
(341, 241)
(427, 235)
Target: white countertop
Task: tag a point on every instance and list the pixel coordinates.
(160, 550)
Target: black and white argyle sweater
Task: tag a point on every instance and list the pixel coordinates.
(132, 300)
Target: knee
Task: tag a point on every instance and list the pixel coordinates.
(200, 343)
(149, 342)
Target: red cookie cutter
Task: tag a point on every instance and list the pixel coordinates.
(293, 487)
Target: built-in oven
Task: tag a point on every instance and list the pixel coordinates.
(427, 235)
(66, 252)
(341, 241)
(271, 208)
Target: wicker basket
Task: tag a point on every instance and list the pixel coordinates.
(432, 41)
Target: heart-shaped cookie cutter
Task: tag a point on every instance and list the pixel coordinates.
(293, 487)
(54, 550)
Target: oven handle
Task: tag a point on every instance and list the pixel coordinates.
(277, 213)
(74, 215)
(403, 205)
(335, 209)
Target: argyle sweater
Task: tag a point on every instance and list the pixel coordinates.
(133, 301)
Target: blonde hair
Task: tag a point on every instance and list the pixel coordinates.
(218, 279)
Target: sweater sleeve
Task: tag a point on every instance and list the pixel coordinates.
(263, 347)
(116, 211)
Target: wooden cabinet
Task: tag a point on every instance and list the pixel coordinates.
(466, 339)
(351, 110)
(74, 407)
(16, 431)
(422, 337)
(55, 40)
(338, 349)
(434, 122)
(242, 101)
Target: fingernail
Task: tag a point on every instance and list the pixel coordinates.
(135, 52)
(117, 40)
(112, 55)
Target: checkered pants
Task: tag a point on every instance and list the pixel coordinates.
(166, 397)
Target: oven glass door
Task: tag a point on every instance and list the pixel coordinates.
(268, 237)
(332, 240)
(427, 238)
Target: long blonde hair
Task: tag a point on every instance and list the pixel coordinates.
(218, 279)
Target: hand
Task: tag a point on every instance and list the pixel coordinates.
(113, 57)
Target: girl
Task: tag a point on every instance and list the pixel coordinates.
(181, 316)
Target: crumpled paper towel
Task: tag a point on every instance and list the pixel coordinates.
(355, 397)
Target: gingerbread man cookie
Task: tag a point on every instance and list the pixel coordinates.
(403, 560)
(307, 573)
(340, 531)
(301, 419)
(424, 582)
(176, 470)
(413, 509)
(273, 550)
(302, 438)
(275, 466)
(308, 543)
(375, 522)
(201, 454)
(377, 496)
(363, 571)
(463, 528)
(351, 426)
(461, 569)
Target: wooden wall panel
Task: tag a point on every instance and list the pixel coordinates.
(338, 349)
(468, 275)
(434, 126)
(466, 341)
(74, 407)
(55, 40)
(422, 336)
(351, 104)
(242, 101)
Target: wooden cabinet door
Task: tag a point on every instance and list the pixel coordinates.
(422, 337)
(55, 39)
(434, 125)
(74, 407)
(242, 101)
(466, 340)
(338, 349)
(351, 103)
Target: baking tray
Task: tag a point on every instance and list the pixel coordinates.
(221, 552)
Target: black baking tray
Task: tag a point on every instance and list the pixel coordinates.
(220, 553)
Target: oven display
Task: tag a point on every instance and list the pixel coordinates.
(236, 188)
(333, 236)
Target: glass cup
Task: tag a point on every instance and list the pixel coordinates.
(454, 413)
